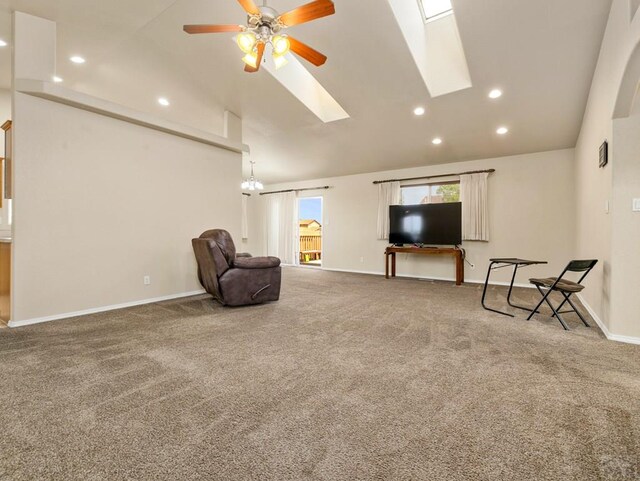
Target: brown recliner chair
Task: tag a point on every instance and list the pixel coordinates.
(235, 279)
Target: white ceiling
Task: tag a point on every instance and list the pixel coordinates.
(542, 54)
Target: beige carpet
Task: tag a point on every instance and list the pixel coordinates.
(348, 377)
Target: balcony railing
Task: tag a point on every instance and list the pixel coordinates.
(310, 248)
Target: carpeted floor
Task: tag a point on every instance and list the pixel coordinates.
(348, 377)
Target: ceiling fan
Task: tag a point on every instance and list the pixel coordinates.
(265, 26)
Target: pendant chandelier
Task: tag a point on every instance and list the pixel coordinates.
(251, 183)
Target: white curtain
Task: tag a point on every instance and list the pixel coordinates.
(282, 227)
(245, 218)
(388, 195)
(475, 207)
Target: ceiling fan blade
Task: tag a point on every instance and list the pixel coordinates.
(249, 68)
(250, 7)
(306, 52)
(213, 28)
(308, 12)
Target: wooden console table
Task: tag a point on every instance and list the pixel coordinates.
(391, 251)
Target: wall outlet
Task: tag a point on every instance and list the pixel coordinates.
(362, 260)
(636, 205)
(147, 280)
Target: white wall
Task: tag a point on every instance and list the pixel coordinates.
(532, 215)
(5, 114)
(625, 262)
(595, 186)
(100, 203)
(255, 243)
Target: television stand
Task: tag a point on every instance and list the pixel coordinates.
(391, 251)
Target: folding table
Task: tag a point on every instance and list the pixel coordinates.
(499, 263)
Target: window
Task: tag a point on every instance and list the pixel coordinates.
(435, 9)
(431, 193)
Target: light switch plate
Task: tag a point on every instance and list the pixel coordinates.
(636, 205)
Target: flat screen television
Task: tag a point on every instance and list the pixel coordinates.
(434, 224)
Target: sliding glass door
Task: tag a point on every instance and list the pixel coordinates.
(310, 231)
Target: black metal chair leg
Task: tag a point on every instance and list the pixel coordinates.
(584, 321)
(562, 304)
(544, 298)
(557, 314)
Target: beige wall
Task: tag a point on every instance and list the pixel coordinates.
(5, 114)
(256, 242)
(100, 203)
(595, 186)
(625, 265)
(531, 215)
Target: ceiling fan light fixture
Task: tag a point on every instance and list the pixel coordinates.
(281, 44)
(251, 59)
(246, 41)
(264, 26)
(280, 61)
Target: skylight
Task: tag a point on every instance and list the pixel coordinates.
(435, 9)
(299, 81)
(435, 44)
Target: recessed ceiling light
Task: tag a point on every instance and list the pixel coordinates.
(419, 111)
(436, 141)
(57, 79)
(502, 130)
(77, 59)
(164, 102)
(3, 43)
(495, 94)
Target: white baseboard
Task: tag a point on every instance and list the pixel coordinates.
(603, 327)
(67, 315)
(428, 278)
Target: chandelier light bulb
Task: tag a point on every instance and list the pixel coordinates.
(251, 183)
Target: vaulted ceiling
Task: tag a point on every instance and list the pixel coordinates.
(541, 54)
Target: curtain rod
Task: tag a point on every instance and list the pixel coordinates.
(295, 190)
(435, 176)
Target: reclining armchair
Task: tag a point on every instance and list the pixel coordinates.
(235, 279)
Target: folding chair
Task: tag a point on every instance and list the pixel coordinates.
(565, 287)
